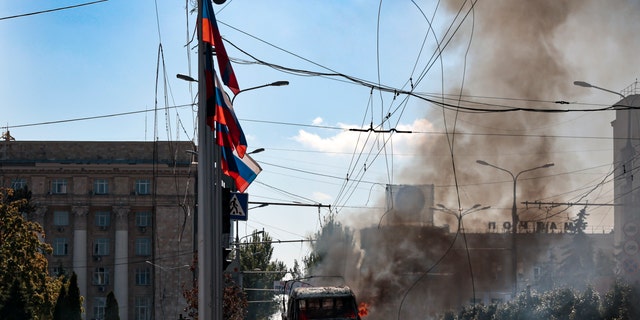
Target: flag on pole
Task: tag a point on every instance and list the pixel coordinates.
(229, 134)
(242, 170)
(211, 35)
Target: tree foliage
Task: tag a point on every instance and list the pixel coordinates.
(14, 306)
(111, 311)
(190, 292)
(59, 310)
(255, 256)
(69, 302)
(23, 257)
(235, 300)
(621, 302)
(332, 240)
(577, 267)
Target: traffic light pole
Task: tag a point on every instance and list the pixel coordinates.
(210, 277)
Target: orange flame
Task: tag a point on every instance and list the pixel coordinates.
(363, 309)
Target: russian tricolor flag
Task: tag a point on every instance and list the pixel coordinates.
(211, 35)
(242, 170)
(229, 134)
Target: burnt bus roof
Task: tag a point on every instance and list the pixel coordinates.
(321, 292)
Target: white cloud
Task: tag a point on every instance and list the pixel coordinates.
(322, 197)
(346, 141)
(317, 121)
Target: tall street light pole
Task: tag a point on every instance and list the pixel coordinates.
(514, 219)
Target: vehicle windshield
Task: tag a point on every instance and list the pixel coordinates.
(327, 308)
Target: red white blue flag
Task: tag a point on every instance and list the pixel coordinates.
(229, 134)
(211, 35)
(242, 170)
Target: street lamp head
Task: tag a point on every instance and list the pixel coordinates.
(475, 206)
(484, 163)
(185, 77)
(440, 205)
(582, 84)
(256, 151)
(548, 165)
(280, 83)
(272, 84)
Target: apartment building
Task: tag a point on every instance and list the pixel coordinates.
(118, 214)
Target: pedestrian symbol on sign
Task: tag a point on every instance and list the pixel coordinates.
(238, 206)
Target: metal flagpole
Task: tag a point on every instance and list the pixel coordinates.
(210, 288)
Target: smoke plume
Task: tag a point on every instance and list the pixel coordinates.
(529, 52)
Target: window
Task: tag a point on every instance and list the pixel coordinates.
(101, 276)
(143, 246)
(537, 274)
(143, 276)
(58, 271)
(103, 219)
(142, 308)
(99, 306)
(143, 219)
(18, 183)
(59, 186)
(60, 218)
(101, 247)
(60, 247)
(101, 186)
(143, 186)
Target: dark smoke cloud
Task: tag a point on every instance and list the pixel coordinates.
(526, 50)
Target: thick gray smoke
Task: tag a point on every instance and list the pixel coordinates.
(530, 51)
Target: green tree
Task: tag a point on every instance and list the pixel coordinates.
(621, 302)
(587, 306)
(255, 256)
(111, 311)
(74, 300)
(14, 306)
(333, 242)
(69, 303)
(58, 311)
(577, 267)
(296, 272)
(235, 300)
(23, 256)
(523, 307)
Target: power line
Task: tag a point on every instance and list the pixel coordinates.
(311, 126)
(93, 117)
(52, 10)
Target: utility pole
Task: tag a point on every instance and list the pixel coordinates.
(209, 229)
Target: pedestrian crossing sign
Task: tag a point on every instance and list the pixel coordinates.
(238, 206)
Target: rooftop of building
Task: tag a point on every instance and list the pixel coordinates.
(96, 152)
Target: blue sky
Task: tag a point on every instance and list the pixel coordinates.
(102, 59)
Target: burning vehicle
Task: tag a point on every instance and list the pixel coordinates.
(335, 303)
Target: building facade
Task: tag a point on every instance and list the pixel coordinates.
(118, 214)
(626, 150)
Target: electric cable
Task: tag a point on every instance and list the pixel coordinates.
(52, 10)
